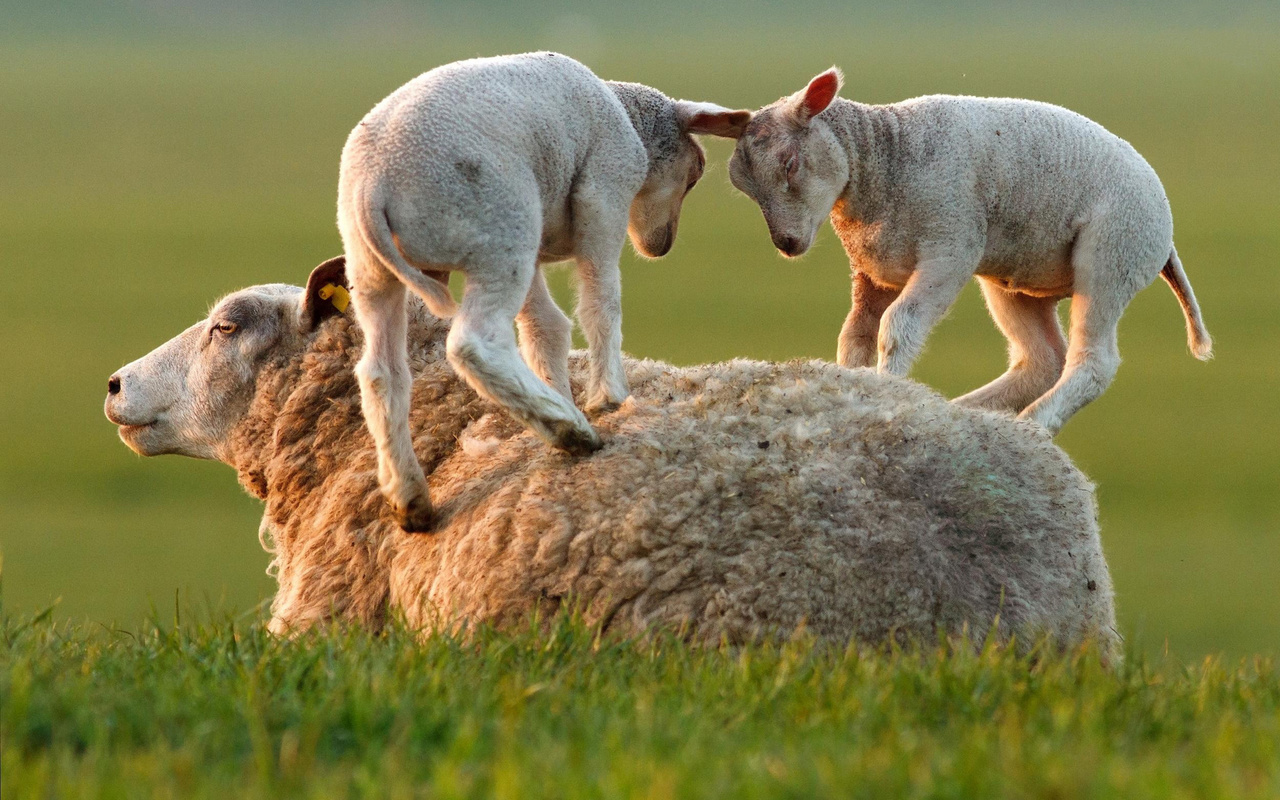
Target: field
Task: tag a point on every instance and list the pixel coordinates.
(143, 180)
(141, 176)
(223, 710)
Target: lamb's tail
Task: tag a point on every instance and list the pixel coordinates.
(1198, 338)
(375, 230)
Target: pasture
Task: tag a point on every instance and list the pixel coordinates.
(144, 176)
(144, 180)
(224, 710)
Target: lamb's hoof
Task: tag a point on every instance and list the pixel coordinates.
(576, 441)
(603, 406)
(1051, 426)
(602, 401)
(417, 517)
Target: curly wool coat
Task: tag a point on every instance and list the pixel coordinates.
(731, 501)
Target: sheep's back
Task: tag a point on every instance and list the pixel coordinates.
(744, 499)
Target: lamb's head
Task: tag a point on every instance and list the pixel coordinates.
(791, 163)
(676, 161)
(187, 395)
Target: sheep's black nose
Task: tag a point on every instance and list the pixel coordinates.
(113, 385)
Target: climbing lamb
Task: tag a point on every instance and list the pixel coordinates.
(1037, 201)
(494, 166)
(732, 501)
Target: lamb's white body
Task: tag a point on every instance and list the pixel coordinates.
(491, 167)
(1037, 201)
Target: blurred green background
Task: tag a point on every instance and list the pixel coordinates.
(155, 155)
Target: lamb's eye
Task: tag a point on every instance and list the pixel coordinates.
(226, 328)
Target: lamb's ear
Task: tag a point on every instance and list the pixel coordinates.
(814, 98)
(712, 119)
(328, 293)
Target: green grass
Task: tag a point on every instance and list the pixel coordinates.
(143, 178)
(224, 710)
(145, 172)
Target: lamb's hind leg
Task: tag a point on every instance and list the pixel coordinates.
(482, 349)
(1037, 349)
(861, 331)
(546, 335)
(1092, 360)
(385, 388)
(1107, 276)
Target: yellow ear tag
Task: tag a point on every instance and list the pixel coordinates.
(338, 295)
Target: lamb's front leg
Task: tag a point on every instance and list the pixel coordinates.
(604, 229)
(930, 291)
(385, 387)
(861, 331)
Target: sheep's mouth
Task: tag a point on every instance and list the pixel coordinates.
(124, 423)
(136, 436)
(144, 439)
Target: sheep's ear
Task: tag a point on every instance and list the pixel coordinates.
(328, 293)
(709, 118)
(814, 98)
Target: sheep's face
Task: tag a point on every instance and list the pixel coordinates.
(677, 162)
(792, 166)
(185, 396)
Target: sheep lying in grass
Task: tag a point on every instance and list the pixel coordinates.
(493, 166)
(732, 500)
(1037, 201)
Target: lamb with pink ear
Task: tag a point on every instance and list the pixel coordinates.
(1038, 202)
(494, 167)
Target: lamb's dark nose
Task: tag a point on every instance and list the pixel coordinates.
(788, 244)
(113, 385)
(663, 246)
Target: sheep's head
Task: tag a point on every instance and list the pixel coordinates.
(185, 396)
(677, 162)
(789, 161)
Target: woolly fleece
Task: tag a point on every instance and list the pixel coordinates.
(731, 501)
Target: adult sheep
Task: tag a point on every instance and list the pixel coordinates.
(731, 501)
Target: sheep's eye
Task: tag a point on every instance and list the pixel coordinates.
(226, 328)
